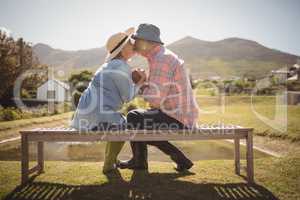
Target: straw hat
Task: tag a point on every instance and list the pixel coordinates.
(116, 42)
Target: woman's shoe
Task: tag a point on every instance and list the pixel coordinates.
(109, 171)
(110, 168)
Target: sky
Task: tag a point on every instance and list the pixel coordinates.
(83, 24)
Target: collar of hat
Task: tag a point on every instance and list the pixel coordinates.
(153, 52)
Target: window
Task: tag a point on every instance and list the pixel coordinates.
(50, 94)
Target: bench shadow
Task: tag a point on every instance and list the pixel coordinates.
(143, 185)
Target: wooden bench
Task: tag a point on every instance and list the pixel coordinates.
(41, 135)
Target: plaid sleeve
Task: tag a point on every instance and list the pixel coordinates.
(159, 81)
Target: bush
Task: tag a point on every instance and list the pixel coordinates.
(9, 114)
(12, 113)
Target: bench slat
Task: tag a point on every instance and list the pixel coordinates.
(66, 137)
(71, 134)
(199, 130)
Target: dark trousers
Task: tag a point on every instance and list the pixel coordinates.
(156, 119)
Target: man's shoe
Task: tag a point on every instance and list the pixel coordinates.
(126, 164)
(184, 167)
(130, 164)
(139, 159)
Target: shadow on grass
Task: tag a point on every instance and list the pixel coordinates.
(142, 185)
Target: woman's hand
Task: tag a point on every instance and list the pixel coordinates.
(139, 76)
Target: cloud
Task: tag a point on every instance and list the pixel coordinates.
(6, 31)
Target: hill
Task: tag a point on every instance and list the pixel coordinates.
(69, 60)
(228, 57)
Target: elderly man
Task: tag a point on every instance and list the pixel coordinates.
(170, 96)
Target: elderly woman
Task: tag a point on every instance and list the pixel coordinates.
(110, 88)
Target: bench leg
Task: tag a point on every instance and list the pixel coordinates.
(24, 159)
(249, 155)
(237, 156)
(40, 156)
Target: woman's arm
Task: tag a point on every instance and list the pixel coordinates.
(123, 81)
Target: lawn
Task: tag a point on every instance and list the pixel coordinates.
(276, 178)
(231, 110)
(239, 110)
(10, 129)
(39, 120)
(244, 111)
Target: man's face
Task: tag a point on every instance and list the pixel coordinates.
(141, 46)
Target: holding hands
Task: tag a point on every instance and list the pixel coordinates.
(139, 76)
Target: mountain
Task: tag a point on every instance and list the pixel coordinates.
(69, 60)
(228, 57)
(228, 49)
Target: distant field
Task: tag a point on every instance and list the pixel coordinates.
(238, 110)
(11, 129)
(230, 110)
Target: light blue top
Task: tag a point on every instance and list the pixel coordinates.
(110, 88)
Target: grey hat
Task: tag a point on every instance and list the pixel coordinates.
(148, 32)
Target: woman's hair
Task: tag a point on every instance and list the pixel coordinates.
(118, 56)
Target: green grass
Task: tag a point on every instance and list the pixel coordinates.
(275, 178)
(238, 110)
(38, 120)
(11, 129)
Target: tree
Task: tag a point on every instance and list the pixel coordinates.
(79, 83)
(16, 56)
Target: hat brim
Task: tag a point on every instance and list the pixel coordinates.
(129, 32)
(135, 36)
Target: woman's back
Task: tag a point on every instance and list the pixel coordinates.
(110, 88)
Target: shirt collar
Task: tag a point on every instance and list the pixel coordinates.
(153, 52)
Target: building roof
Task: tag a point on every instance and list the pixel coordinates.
(62, 84)
(293, 78)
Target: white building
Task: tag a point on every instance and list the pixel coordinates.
(214, 78)
(54, 90)
(295, 71)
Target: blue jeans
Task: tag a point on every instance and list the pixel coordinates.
(155, 119)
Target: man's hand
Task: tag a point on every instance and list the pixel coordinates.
(139, 76)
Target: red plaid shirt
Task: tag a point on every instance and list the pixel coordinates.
(169, 87)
